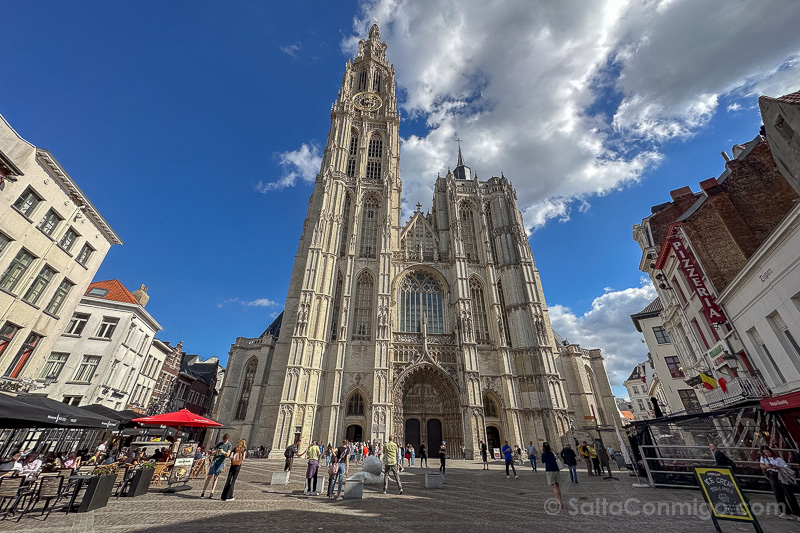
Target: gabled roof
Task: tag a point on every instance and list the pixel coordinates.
(116, 291)
(653, 309)
(274, 329)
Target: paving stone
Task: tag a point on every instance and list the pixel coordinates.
(471, 500)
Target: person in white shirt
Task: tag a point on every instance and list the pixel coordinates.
(775, 468)
(102, 446)
(31, 465)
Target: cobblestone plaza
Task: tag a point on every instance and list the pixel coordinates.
(472, 500)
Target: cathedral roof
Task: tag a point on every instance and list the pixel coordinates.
(561, 341)
(274, 329)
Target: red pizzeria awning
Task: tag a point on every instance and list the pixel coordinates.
(779, 403)
(182, 418)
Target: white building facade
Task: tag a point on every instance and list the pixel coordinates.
(52, 241)
(669, 387)
(148, 376)
(102, 351)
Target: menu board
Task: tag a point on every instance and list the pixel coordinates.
(722, 493)
(184, 459)
(497, 453)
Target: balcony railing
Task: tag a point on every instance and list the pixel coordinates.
(739, 389)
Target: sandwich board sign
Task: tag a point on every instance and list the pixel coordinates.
(724, 497)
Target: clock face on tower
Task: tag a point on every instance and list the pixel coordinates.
(367, 101)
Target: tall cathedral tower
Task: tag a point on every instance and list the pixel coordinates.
(436, 329)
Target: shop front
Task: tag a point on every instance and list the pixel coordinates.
(787, 406)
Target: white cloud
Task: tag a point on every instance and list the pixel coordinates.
(572, 102)
(302, 163)
(291, 50)
(734, 106)
(608, 326)
(259, 302)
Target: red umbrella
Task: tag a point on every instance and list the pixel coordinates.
(182, 418)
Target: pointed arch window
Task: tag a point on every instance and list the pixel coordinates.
(374, 157)
(362, 320)
(490, 230)
(468, 232)
(479, 321)
(351, 155)
(362, 80)
(421, 295)
(369, 228)
(247, 386)
(490, 409)
(337, 305)
(345, 226)
(503, 314)
(376, 82)
(355, 405)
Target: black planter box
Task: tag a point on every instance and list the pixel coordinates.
(97, 493)
(140, 482)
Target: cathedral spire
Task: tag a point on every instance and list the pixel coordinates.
(462, 171)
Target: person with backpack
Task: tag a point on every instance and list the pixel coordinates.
(290, 453)
(485, 455)
(238, 455)
(221, 451)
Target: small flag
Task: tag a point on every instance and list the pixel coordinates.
(708, 382)
(723, 384)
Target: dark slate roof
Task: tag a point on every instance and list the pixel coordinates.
(654, 308)
(274, 329)
(636, 374)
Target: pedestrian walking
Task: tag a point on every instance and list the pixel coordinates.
(583, 449)
(423, 456)
(532, 454)
(402, 455)
(328, 452)
(413, 454)
(338, 469)
(782, 480)
(221, 451)
(720, 459)
(238, 455)
(595, 461)
(290, 453)
(442, 457)
(551, 470)
(485, 455)
(569, 458)
(518, 451)
(390, 458)
(463, 452)
(508, 453)
(312, 454)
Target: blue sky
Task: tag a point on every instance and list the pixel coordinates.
(175, 118)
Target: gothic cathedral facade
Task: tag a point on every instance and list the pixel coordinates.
(436, 329)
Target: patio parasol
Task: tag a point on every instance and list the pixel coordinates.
(178, 419)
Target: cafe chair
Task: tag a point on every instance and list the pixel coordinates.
(121, 481)
(50, 489)
(10, 490)
(158, 473)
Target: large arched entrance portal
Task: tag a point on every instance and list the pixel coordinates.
(426, 408)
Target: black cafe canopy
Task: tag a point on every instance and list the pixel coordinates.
(123, 417)
(34, 410)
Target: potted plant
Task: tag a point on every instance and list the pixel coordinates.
(140, 479)
(98, 490)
